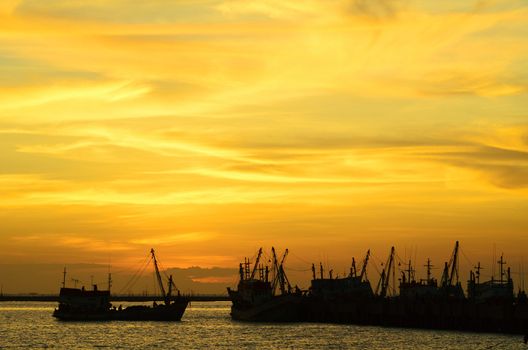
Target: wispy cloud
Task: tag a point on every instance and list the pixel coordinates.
(176, 238)
(375, 8)
(190, 124)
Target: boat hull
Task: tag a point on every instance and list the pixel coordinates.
(459, 315)
(172, 312)
(282, 308)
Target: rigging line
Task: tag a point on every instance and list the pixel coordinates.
(378, 260)
(135, 278)
(266, 259)
(400, 261)
(143, 262)
(467, 259)
(376, 268)
(297, 270)
(133, 281)
(139, 263)
(266, 255)
(254, 256)
(162, 268)
(117, 272)
(164, 271)
(299, 258)
(381, 262)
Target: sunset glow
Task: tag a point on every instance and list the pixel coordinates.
(209, 128)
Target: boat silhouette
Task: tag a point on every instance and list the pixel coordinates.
(78, 304)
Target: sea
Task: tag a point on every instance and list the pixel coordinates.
(207, 325)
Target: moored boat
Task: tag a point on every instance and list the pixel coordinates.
(78, 304)
(256, 297)
(490, 306)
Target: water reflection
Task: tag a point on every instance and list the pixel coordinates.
(208, 325)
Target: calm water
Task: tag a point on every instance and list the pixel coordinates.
(208, 326)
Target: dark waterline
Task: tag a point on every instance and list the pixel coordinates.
(207, 325)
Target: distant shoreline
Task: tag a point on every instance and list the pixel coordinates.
(144, 298)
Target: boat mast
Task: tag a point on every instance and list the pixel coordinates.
(241, 271)
(109, 281)
(410, 272)
(169, 293)
(501, 262)
(158, 276)
(429, 266)
(275, 270)
(477, 273)
(64, 278)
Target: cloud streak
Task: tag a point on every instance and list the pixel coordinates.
(209, 127)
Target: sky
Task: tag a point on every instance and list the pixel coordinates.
(209, 128)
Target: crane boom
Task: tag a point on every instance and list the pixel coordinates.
(364, 268)
(256, 264)
(284, 257)
(282, 275)
(275, 270)
(450, 269)
(353, 270)
(454, 265)
(385, 274)
(284, 281)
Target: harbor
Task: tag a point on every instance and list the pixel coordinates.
(264, 293)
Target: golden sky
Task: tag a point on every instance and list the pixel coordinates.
(206, 128)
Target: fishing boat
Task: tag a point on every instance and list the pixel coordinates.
(79, 304)
(347, 299)
(490, 306)
(257, 298)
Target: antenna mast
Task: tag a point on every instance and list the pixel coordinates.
(477, 273)
(429, 266)
(64, 278)
(501, 262)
